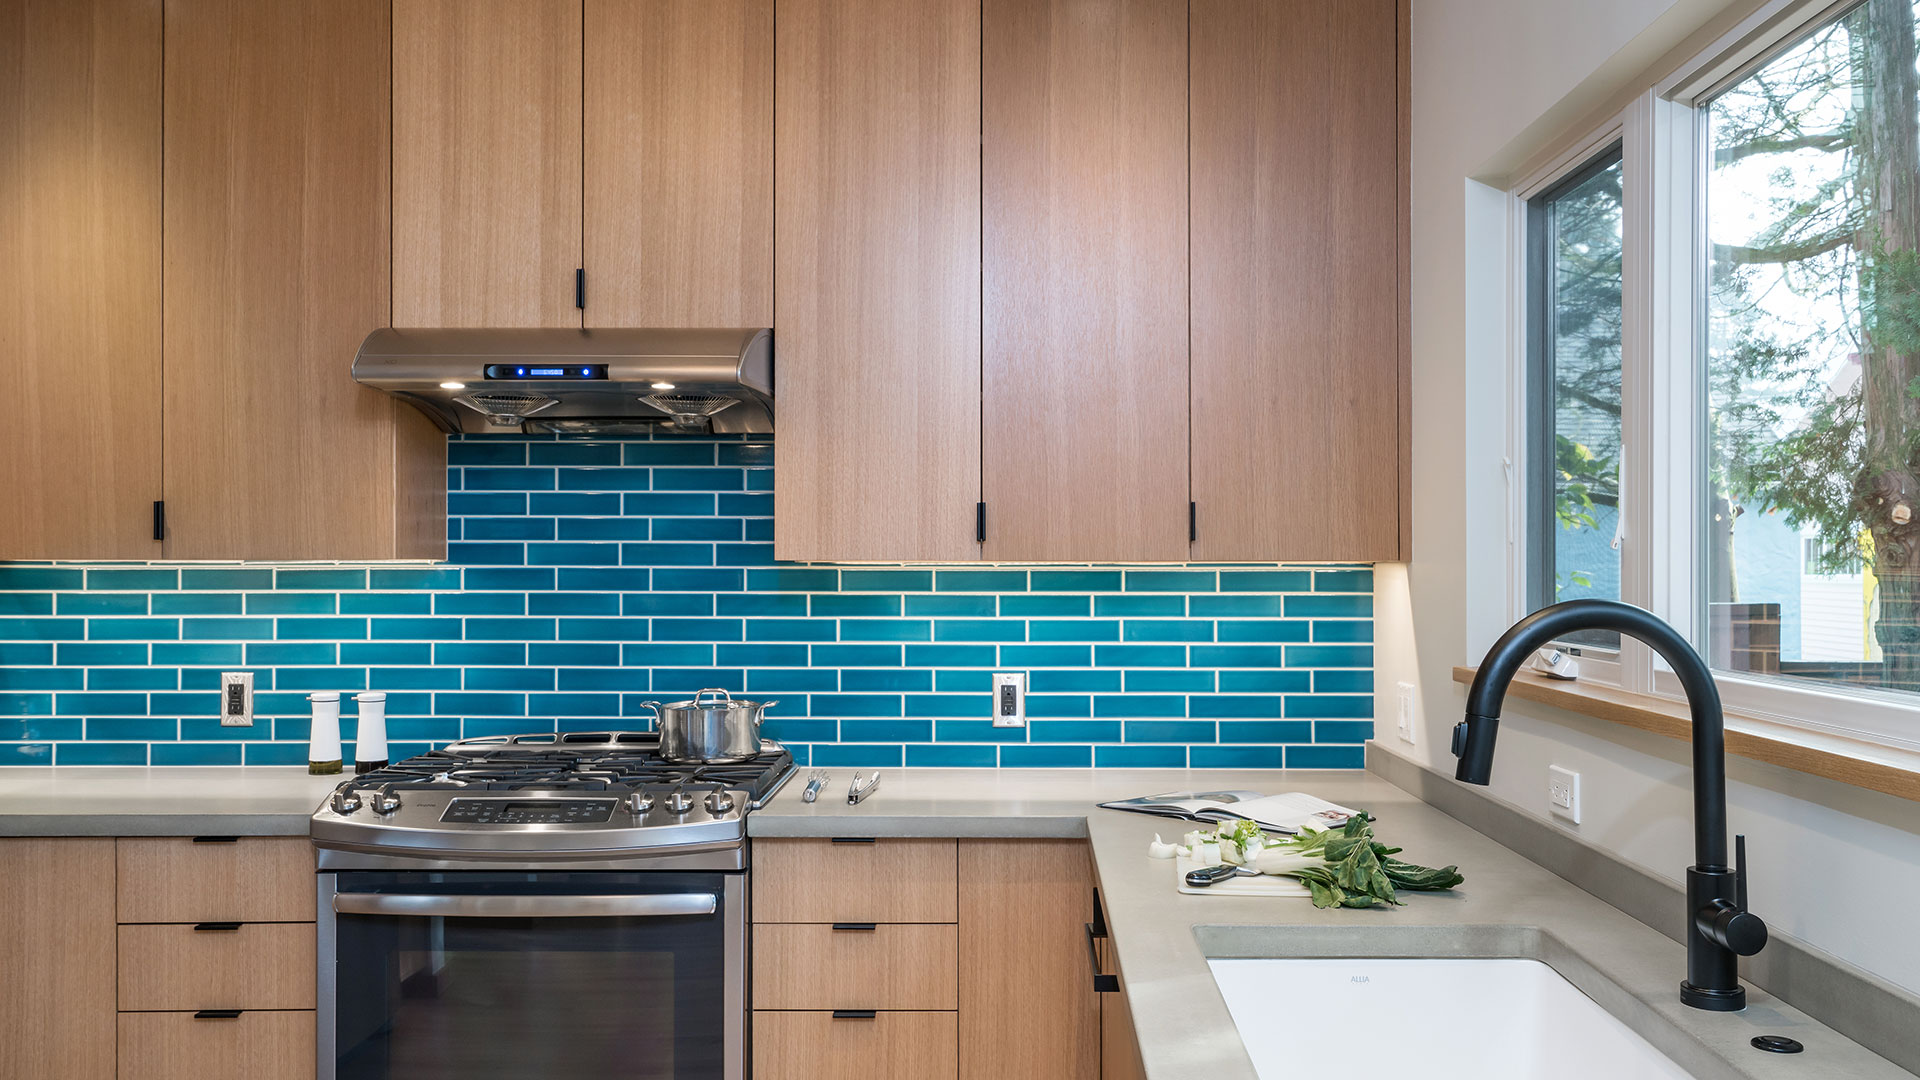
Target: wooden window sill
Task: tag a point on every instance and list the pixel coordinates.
(1886, 769)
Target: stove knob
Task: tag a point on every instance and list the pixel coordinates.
(640, 802)
(345, 802)
(385, 802)
(677, 802)
(719, 802)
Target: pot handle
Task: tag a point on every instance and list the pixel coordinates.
(655, 706)
(724, 696)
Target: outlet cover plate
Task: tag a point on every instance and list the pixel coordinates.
(236, 699)
(1009, 699)
(1563, 793)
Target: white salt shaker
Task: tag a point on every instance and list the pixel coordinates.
(370, 745)
(323, 734)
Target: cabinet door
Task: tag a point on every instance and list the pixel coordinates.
(679, 162)
(80, 277)
(877, 279)
(57, 950)
(1084, 154)
(1296, 295)
(1027, 1005)
(276, 268)
(486, 162)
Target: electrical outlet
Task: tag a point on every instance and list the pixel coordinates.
(236, 699)
(1563, 792)
(1009, 699)
(1406, 713)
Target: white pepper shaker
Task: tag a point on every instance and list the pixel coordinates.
(370, 744)
(323, 734)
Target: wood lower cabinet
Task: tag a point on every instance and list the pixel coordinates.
(216, 965)
(1119, 1047)
(178, 879)
(251, 1046)
(821, 1046)
(972, 966)
(56, 959)
(80, 277)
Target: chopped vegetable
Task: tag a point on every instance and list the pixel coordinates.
(1341, 868)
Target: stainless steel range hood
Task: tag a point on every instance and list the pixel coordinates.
(560, 380)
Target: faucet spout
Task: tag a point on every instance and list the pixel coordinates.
(1718, 928)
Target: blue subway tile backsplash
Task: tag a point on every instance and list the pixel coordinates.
(587, 576)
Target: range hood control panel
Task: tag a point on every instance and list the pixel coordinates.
(546, 371)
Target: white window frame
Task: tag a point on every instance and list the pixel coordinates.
(1663, 551)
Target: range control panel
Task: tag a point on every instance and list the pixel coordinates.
(529, 811)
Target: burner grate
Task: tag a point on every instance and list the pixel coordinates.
(608, 762)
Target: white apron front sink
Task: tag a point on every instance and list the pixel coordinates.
(1436, 1019)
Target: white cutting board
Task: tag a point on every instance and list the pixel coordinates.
(1264, 885)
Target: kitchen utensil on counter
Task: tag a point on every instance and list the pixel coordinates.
(1208, 875)
(859, 790)
(1244, 882)
(370, 738)
(816, 780)
(323, 734)
(710, 729)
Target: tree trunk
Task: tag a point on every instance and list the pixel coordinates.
(1888, 490)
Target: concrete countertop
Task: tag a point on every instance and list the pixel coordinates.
(85, 800)
(1162, 939)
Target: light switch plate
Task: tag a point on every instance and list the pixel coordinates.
(236, 699)
(1563, 792)
(1404, 697)
(1009, 699)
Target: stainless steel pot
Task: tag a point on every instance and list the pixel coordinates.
(711, 729)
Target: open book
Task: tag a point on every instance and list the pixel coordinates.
(1285, 813)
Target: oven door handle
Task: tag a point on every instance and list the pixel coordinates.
(543, 906)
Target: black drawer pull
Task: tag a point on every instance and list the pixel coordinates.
(853, 1014)
(216, 839)
(854, 926)
(216, 926)
(1102, 983)
(217, 1014)
(854, 840)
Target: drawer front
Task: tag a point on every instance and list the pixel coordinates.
(818, 1046)
(825, 881)
(252, 1046)
(891, 966)
(252, 879)
(255, 966)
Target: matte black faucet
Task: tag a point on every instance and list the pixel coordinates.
(1720, 929)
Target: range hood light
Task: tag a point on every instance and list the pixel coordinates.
(453, 386)
(663, 386)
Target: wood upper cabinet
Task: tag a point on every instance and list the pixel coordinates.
(1084, 152)
(679, 162)
(877, 279)
(80, 277)
(486, 162)
(57, 950)
(275, 268)
(1297, 289)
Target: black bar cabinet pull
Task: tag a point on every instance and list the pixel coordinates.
(980, 522)
(853, 839)
(854, 926)
(853, 1014)
(217, 1014)
(159, 519)
(216, 926)
(580, 288)
(1102, 982)
(1193, 522)
(216, 839)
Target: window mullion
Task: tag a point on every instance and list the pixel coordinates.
(1662, 387)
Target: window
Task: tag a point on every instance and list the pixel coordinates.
(1574, 242)
(1812, 345)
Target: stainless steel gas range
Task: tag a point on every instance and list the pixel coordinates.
(541, 906)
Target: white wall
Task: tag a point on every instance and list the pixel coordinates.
(1496, 82)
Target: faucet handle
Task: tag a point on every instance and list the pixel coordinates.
(1731, 924)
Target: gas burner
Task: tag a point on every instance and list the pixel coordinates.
(602, 761)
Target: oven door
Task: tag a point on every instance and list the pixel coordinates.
(465, 975)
